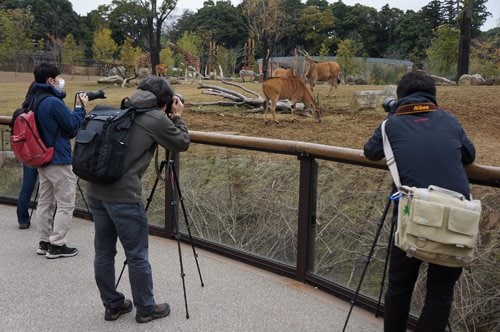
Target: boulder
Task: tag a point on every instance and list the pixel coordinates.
(114, 71)
(372, 98)
(475, 79)
(110, 80)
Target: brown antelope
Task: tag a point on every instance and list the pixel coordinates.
(282, 72)
(327, 71)
(293, 89)
(161, 69)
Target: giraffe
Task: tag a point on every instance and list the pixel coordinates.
(143, 61)
(189, 60)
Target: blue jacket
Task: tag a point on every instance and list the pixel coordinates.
(430, 148)
(56, 123)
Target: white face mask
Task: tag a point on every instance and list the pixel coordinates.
(60, 84)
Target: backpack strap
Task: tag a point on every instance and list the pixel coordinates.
(35, 102)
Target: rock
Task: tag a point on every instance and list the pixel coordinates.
(114, 71)
(372, 98)
(475, 79)
(111, 80)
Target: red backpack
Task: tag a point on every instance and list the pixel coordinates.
(26, 143)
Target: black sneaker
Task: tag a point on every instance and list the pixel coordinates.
(115, 313)
(60, 251)
(161, 310)
(42, 248)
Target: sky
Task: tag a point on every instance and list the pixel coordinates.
(82, 7)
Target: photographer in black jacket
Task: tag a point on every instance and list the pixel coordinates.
(431, 148)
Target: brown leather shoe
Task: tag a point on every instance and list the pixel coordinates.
(161, 310)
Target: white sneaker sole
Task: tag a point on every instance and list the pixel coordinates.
(53, 256)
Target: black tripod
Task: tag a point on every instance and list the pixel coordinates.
(368, 258)
(386, 263)
(176, 192)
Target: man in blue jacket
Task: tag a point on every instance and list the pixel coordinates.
(57, 183)
(431, 148)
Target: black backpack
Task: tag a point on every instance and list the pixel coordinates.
(101, 144)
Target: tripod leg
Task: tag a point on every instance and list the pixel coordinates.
(121, 273)
(150, 198)
(171, 171)
(372, 249)
(83, 197)
(389, 246)
(188, 226)
(35, 203)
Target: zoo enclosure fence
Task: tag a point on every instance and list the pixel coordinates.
(306, 211)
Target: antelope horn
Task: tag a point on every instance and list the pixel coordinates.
(303, 52)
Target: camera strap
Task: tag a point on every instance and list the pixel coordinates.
(416, 108)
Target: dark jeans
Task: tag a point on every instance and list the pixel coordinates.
(23, 202)
(129, 223)
(403, 273)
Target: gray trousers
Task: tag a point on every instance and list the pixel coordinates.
(128, 222)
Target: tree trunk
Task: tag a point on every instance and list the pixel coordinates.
(465, 39)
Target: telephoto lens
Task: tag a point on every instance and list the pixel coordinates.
(96, 94)
(389, 105)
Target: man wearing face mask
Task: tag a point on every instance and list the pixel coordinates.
(57, 183)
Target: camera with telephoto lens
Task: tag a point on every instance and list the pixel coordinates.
(169, 106)
(93, 94)
(96, 94)
(389, 105)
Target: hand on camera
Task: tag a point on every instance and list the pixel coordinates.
(177, 107)
(82, 99)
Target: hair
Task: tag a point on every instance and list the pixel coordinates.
(45, 71)
(417, 81)
(160, 88)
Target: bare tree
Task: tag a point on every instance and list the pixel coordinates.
(266, 22)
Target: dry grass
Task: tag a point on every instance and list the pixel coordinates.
(475, 107)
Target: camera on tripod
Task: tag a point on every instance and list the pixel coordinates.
(93, 94)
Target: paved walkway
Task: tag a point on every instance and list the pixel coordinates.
(38, 294)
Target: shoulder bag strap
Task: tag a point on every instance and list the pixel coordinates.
(389, 157)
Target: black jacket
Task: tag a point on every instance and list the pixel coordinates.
(430, 148)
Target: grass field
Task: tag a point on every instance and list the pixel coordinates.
(476, 107)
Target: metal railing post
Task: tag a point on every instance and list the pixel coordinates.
(307, 215)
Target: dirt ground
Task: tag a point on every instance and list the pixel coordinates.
(476, 107)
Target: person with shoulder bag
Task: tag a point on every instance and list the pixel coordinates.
(431, 148)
